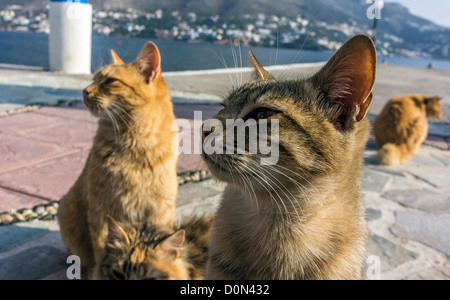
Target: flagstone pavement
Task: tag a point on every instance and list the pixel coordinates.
(43, 151)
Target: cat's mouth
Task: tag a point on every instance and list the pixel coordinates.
(226, 169)
(214, 165)
(93, 104)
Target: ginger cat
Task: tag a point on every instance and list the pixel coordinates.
(130, 173)
(402, 127)
(146, 252)
(301, 218)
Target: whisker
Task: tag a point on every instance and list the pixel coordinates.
(116, 128)
(222, 59)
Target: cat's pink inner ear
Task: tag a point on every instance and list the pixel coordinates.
(149, 62)
(116, 233)
(115, 59)
(174, 243)
(349, 77)
(260, 72)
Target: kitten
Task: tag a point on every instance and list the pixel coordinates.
(301, 218)
(402, 127)
(130, 173)
(147, 252)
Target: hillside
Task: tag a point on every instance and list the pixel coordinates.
(397, 25)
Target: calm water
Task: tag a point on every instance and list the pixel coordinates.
(32, 50)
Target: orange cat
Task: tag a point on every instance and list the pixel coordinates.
(130, 173)
(402, 127)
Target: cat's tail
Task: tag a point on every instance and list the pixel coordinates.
(392, 155)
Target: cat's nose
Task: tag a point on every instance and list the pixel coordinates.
(85, 93)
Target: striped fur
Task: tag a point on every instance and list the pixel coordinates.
(147, 252)
(303, 217)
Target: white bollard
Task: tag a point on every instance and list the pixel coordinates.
(70, 42)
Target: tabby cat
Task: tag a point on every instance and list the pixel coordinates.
(402, 127)
(147, 252)
(130, 173)
(301, 218)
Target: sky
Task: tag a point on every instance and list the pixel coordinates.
(437, 11)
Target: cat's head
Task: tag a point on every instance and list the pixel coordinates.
(120, 87)
(315, 124)
(143, 252)
(433, 107)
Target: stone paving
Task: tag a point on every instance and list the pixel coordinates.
(43, 152)
(408, 220)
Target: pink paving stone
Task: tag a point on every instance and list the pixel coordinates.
(50, 180)
(79, 113)
(11, 200)
(67, 132)
(16, 152)
(187, 111)
(25, 121)
(438, 142)
(189, 161)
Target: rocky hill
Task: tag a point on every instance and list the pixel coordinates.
(397, 23)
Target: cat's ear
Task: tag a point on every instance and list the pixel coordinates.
(116, 233)
(149, 62)
(260, 72)
(115, 59)
(432, 100)
(347, 80)
(173, 244)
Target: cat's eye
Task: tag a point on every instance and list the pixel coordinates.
(109, 81)
(261, 114)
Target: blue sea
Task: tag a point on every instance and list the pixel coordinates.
(31, 49)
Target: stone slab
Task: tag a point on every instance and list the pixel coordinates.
(197, 192)
(373, 214)
(423, 159)
(10, 200)
(425, 200)
(406, 182)
(12, 236)
(50, 179)
(444, 158)
(438, 142)
(428, 229)
(78, 112)
(375, 182)
(391, 255)
(27, 120)
(437, 176)
(66, 133)
(32, 264)
(17, 152)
